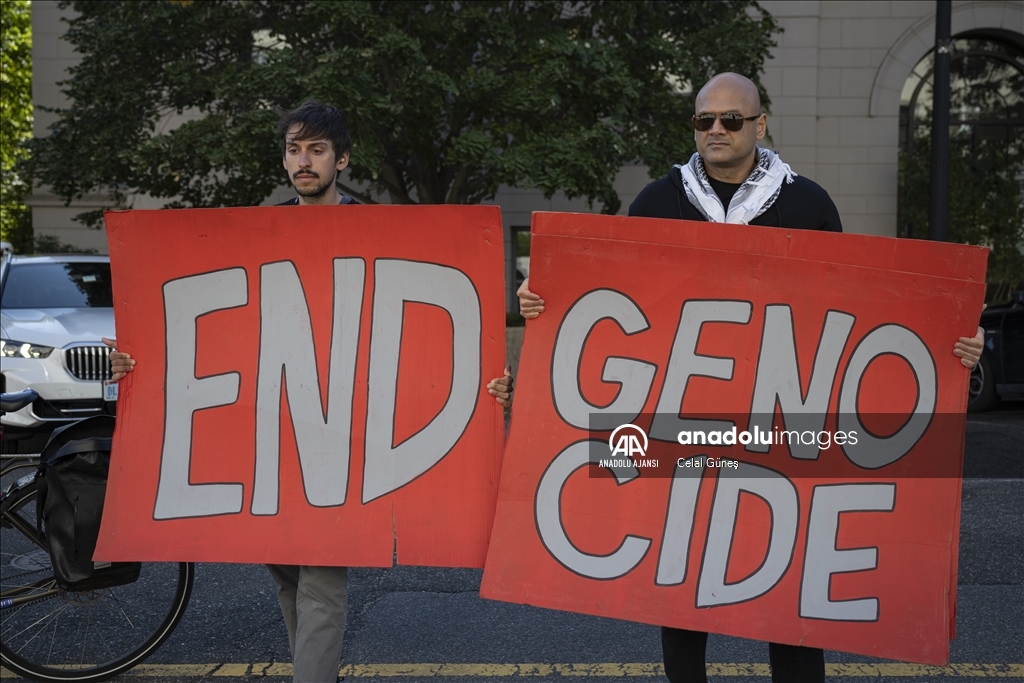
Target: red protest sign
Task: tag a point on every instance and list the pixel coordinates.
(743, 430)
(309, 386)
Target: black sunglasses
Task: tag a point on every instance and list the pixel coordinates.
(733, 122)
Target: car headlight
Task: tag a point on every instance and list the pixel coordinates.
(17, 349)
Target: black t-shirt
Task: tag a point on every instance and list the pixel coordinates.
(724, 190)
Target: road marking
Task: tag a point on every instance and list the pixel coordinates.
(605, 670)
(232, 670)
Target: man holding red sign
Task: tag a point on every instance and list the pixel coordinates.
(316, 148)
(731, 180)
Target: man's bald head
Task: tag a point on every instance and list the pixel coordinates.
(736, 87)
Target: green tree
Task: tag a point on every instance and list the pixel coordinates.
(446, 100)
(986, 158)
(15, 119)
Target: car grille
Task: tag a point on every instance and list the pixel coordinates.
(88, 362)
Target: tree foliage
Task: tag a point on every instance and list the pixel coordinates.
(986, 160)
(15, 119)
(446, 100)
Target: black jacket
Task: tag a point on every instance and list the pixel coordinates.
(802, 204)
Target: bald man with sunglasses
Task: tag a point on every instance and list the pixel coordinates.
(732, 180)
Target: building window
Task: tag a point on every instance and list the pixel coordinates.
(986, 175)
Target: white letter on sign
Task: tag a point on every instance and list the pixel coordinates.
(780, 495)
(388, 466)
(778, 378)
(548, 508)
(632, 375)
(872, 452)
(185, 300)
(287, 355)
(685, 362)
(682, 508)
(822, 560)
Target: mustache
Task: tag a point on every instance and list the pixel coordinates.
(312, 173)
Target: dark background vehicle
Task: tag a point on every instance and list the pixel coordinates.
(1000, 374)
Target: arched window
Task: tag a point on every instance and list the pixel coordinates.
(986, 174)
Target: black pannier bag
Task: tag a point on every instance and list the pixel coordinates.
(71, 484)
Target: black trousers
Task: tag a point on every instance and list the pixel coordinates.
(684, 659)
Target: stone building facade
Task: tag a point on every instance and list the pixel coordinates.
(835, 80)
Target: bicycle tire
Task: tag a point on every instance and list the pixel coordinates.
(86, 636)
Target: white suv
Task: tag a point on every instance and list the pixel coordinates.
(53, 312)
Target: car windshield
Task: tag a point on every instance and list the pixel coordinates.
(57, 285)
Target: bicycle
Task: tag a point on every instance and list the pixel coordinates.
(50, 634)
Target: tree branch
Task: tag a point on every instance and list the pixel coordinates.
(456, 191)
(362, 197)
(390, 178)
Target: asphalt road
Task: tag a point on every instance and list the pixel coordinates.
(431, 624)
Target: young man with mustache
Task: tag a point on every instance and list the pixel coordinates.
(316, 147)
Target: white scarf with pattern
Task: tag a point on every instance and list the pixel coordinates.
(755, 196)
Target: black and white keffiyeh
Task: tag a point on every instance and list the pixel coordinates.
(755, 196)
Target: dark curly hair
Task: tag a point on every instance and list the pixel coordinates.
(317, 120)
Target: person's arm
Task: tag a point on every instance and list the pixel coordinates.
(530, 304)
(120, 363)
(501, 388)
(969, 349)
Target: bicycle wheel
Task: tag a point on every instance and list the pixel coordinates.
(47, 634)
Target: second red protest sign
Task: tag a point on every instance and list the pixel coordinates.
(742, 430)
